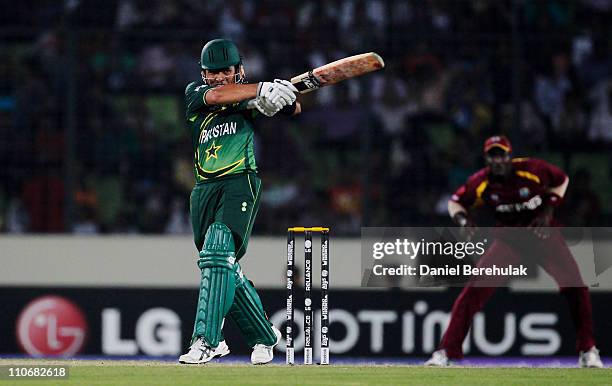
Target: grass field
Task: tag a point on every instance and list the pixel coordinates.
(164, 373)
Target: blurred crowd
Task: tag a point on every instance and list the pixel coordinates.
(383, 150)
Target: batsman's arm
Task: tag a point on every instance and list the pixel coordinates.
(279, 93)
(230, 93)
(293, 109)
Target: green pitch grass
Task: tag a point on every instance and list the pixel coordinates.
(162, 373)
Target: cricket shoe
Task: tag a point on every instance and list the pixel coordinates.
(200, 352)
(590, 358)
(263, 354)
(438, 359)
(222, 349)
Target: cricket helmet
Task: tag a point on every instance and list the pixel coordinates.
(218, 54)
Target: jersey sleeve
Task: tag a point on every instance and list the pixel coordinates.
(195, 97)
(469, 193)
(550, 174)
(238, 107)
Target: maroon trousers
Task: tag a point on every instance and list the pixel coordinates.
(556, 259)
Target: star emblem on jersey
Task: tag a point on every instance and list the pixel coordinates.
(211, 152)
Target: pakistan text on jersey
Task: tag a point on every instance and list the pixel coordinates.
(218, 130)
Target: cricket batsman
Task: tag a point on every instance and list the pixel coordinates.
(521, 192)
(221, 110)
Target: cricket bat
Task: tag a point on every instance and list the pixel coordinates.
(337, 71)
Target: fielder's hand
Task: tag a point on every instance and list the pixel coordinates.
(468, 227)
(539, 225)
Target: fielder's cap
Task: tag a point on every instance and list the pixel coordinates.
(500, 141)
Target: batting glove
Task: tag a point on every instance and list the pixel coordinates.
(289, 90)
(263, 106)
(279, 92)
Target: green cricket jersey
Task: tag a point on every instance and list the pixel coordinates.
(222, 135)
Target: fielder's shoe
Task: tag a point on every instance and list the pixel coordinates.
(263, 354)
(590, 358)
(200, 352)
(439, 359)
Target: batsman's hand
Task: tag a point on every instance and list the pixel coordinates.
(279, 93)
(263, 106)
(289, 89)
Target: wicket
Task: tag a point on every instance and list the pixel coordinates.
(308, 312)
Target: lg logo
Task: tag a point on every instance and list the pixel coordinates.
(51, 325)
(157, 332)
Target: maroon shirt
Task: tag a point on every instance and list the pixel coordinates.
(515, 200)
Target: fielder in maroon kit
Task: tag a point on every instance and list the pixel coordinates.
(521, 193)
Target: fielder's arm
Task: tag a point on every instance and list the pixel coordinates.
(557, 186)
(561, 189)
(552, 200)
(460, 217)
(457, 212)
